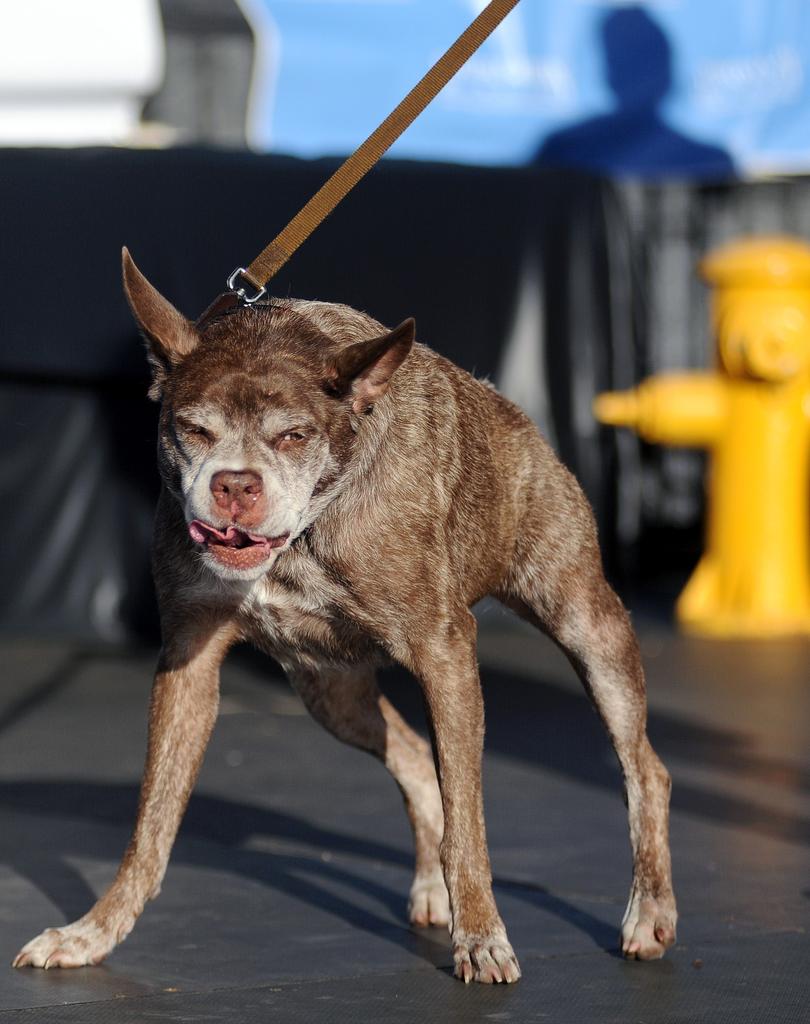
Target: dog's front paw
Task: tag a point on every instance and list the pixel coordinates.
(429, 903)
(485, 958)
(648, 929)
(75, 945)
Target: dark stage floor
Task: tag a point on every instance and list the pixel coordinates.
(286, 893)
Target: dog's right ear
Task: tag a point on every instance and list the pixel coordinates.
(169, 335)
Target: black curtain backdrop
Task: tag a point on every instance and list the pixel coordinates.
(443, 243)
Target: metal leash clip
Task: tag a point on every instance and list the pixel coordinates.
(247, 299)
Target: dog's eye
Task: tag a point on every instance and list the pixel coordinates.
(290, 438)
(195, 430)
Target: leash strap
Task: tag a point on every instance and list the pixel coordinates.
(275, 255)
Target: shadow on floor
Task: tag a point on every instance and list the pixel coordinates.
(533, 721)
(227, 824)
(555, 729)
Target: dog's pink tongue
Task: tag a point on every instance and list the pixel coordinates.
(200, 532)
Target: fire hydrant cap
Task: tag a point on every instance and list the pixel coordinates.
(769, 261)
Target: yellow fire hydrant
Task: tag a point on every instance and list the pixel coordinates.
(753, 413)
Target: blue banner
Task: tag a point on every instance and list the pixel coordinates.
(666, 88)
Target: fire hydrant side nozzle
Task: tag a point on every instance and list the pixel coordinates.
(617, 408)
(753, 412)
(684, 409)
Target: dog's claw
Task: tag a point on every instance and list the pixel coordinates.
(489, 961)
(79, 944)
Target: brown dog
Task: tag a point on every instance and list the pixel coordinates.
(339, 495)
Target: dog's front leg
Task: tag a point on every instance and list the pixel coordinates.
(448, 669)
(182, 713)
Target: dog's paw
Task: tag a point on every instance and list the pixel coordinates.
(429, 903)
(79, 944)
(488, 959)
(648, 929)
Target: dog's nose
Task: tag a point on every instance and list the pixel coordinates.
(240, 493)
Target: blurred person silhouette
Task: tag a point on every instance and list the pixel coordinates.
(633, 138)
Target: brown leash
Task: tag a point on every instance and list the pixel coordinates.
(275, 255)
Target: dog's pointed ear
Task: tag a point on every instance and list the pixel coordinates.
(364, 370)
(169, 335)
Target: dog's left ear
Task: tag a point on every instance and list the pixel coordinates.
(364, 370)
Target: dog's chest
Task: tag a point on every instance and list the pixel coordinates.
(305, 611)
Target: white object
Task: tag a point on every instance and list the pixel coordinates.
(75, 72)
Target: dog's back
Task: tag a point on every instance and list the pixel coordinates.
(451, 469)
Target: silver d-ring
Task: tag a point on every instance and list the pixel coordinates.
(247, 299)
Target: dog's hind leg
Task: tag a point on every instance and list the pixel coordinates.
(349, 704)
(557, 582)
(182, 713)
